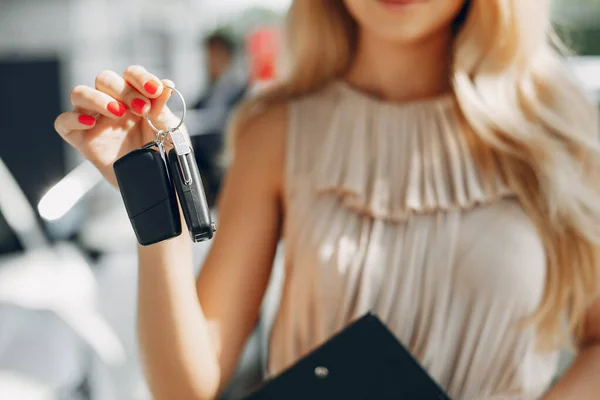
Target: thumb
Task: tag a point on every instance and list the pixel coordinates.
(160, 114)
(159, 105)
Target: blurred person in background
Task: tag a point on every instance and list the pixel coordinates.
(432, 161)
(227, 85)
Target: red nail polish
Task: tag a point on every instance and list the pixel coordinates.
(151, 87)
(138, 105)
(86, 120)
(116, 108)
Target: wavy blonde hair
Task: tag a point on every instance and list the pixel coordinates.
(525, 117)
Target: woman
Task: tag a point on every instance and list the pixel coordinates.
(429, 160)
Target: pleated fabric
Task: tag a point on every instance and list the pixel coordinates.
(386, 212)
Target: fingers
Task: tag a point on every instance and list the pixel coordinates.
(67, 122)
(86, 98)
(137, 90)
(142, 80)
(115, 86)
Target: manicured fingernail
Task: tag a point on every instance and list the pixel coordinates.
(116, 108)
(86, 120)
(151, 87)
(138, 105)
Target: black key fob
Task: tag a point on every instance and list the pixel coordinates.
(148, 195)
(188, 184)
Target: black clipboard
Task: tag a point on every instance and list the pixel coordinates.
(364, 361)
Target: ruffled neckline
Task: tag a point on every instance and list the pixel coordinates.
(392, 160)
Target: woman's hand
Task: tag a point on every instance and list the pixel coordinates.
(108, 120)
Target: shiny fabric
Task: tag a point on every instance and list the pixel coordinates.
(387, 212)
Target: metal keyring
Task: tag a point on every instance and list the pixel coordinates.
(160, 131)
(159, 138)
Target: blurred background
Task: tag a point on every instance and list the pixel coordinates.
(67, 252)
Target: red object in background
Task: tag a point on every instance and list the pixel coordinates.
(262, 51)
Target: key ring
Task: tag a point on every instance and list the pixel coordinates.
(159, 138)
(161, 131)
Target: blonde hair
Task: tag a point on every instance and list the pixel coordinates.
(526, 119)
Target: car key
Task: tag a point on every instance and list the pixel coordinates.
(188, 184)
(148, 194)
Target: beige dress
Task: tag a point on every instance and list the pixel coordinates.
(386, 213)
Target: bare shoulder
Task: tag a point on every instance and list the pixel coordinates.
(260, 141)
(266, 129)
(263, 128)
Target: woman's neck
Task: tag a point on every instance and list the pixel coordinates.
(400, 72)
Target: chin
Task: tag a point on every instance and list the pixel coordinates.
(406, 34)
(404, 20)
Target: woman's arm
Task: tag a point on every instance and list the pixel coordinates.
(191, 335)
(582, 379)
